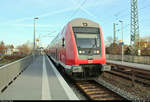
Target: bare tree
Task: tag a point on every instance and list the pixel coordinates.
(9, 46)
(145, 45)
(108, 41)
(2, 47)
(24, 49)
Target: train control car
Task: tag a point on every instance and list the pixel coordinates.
(79, 49)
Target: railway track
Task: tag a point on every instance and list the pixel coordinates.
(135, 75)
(137, 78)
(92, 89)
(95, 91)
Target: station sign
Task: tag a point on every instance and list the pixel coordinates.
(121, 43)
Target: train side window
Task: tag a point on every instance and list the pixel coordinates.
(63, 42)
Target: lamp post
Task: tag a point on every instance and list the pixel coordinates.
(122, 38)
(34, 34)
(114, 26)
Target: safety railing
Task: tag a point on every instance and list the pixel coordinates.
(9, 71)
(130, 58)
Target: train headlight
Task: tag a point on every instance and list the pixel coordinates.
(83, 51)
(80, 51)
(97, 51)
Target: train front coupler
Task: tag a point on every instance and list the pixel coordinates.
(106, 67)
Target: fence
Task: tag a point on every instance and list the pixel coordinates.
(130, 58)
(10, 71)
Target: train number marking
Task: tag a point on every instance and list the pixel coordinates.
(90, 61)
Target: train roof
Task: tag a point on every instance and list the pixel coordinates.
(83, 22)
(78, 22)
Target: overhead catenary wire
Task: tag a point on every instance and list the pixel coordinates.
(127, 26)
(144, 7)
(124, 10)
(75, 12)
(124, 13)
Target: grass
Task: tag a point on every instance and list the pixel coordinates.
(9, 59)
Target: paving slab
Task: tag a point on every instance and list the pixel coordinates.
(40, 81)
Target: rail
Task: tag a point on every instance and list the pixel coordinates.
(139, 75)
(95, 91)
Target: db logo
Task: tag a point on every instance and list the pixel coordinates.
(90, 61)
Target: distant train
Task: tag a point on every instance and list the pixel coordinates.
(79, 49)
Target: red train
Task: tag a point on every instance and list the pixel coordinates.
(79, 49)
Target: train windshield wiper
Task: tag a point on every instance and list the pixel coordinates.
(95, 44)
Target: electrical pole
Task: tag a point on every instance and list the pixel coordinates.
(114, 25)
(134, 26)
(122, 39)
(34, 34)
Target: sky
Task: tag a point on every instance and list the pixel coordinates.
(16, 20)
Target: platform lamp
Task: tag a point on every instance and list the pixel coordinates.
(34, 33)
(122, 38)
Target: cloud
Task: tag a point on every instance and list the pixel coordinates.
(40, 16)
(56, 12)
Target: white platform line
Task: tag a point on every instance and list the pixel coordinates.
(45, 85)
(63, 83)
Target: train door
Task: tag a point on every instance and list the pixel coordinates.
(56, 55)
(63, 56)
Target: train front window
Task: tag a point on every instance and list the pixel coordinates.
(87, 37)
(87, 40)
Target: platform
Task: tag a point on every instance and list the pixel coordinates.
(136, 65)
(40, 81)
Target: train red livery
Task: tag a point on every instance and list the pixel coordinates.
(79, 49)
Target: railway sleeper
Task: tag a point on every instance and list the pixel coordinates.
(78, 83)
(92, 87)
(91, 90)
(88, 85)
(95, 93)
(108, 98)
(105, 95)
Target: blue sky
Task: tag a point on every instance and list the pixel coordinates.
(16, 20)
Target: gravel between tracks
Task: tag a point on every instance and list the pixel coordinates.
(124, 87)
